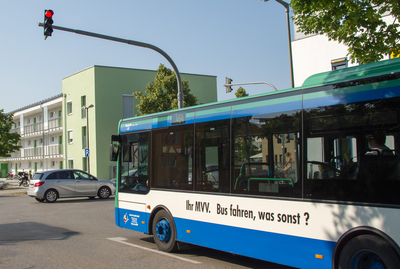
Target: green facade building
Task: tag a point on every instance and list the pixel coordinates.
(109, 90)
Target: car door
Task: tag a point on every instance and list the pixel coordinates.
(64, 183)
(85, 184)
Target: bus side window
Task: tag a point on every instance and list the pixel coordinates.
(265, 161)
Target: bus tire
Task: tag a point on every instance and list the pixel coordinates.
(164, 232)
(367, 251)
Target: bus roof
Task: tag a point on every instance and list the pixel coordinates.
(353, 73)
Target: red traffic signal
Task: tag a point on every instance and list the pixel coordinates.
(48, 13)
(48, 22)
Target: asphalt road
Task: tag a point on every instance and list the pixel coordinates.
(81, 233)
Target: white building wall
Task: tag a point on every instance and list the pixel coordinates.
(39, 137)
(313, 54)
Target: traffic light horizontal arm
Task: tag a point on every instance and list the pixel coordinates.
(134, 43)
(248, 83)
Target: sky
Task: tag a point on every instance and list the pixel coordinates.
(245, 40)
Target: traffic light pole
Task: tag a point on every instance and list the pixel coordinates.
(134, 43)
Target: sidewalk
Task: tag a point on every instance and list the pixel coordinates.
(12, 187)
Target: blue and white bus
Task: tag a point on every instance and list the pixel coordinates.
(306, 177)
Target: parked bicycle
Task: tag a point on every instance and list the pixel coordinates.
(9, 176)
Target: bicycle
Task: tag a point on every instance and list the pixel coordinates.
(9, 176)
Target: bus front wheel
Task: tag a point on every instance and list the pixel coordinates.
(164, 232)
(368, 251)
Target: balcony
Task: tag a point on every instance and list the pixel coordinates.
(51, 151)
(33, 152)
(33, 128)
(55, 150)
(55, 123)
(16, 130)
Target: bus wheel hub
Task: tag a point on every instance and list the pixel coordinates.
(163, 230)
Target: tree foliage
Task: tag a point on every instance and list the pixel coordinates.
(8, 141)
(357, 24)
(162, 94)
(241, 93)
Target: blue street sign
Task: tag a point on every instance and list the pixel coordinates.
(86, 153)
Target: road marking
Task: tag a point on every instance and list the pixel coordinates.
(122, 240)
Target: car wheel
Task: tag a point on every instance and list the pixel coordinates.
(51, 196)
(104, 193)
(164, 232)
(40, 200)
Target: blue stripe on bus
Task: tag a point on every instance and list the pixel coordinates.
(352, 97)
(273, 247)
(258, 109)
(213, 117)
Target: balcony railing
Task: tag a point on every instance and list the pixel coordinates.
(33, 152)
(16, 130)
(16, 154)
(33, 128)
(49, 151)
(55, 123)
(55, 150)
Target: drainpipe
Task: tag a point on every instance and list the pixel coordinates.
(64, 114)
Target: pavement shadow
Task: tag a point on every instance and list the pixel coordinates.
(12, 233)
(76, 200)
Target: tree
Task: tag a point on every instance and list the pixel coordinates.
(357, 24)
(8, 141)
(241, 93)
(162, 94)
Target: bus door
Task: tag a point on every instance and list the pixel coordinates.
(212, 156)
(134, 171)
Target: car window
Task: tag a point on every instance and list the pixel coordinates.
(81, 175)
(38, 176)
(59, 175)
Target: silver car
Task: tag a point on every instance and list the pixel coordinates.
(51, 185)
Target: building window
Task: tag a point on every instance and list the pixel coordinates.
(41, 164)
(29, 121)
(70, 137)
(339, 63)
(39, 118)
(70, 164)
(84, 137)
(83, 104)
(29, 142)
(84, 164)
(29, 164)
(69, 107)
(53, 163)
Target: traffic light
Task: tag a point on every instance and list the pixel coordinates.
(48, 23)
(228, 87)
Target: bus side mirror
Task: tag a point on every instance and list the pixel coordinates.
(114, 148)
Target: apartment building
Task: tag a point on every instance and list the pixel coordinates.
(41, 128)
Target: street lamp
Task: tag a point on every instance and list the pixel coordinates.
(286, 5)
(87, 127)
